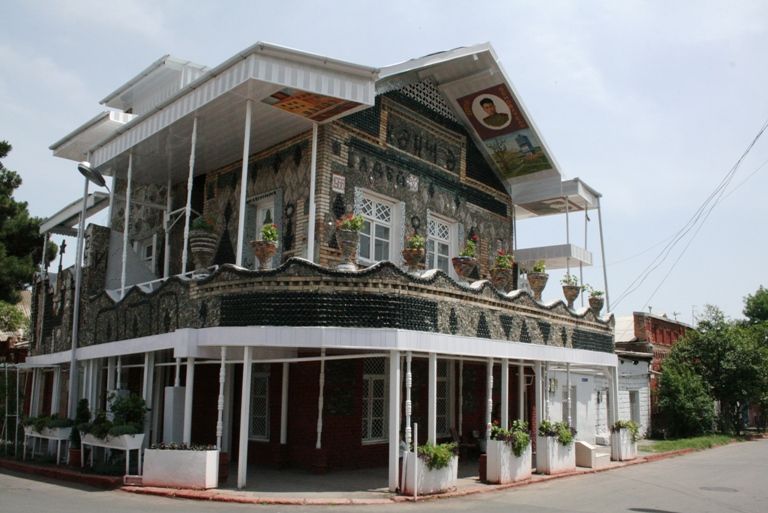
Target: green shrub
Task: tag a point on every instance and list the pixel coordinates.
(684, 401)
(631, 425)
(561, 430)
(517, 437)
(437, 456)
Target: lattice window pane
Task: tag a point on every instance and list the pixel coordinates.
(374, 366)
(383, 212)
(259, 425)
(374, 400)
(366, 208)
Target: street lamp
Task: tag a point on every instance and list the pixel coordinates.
(91, 175)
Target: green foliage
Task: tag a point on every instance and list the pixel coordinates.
(11, 318)
(561, 430)
(756, 306)
(699, 442)
(20, 240)
(539, 267)
(173, 446)
(631, 425)
(504, 259)
(415, 241)
(269, 233)
(470, 247)
(684, 401)
(128, 414)
(201, 224)
(569, 280)
(517, 436)
(47, 421)
(82, 416)
(350, 222)
(437, 456)
(593, 292)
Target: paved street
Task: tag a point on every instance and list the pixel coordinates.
(725, 479)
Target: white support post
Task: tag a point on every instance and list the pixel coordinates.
(177, 375)
(243, 183)
(312, 185)
(148, 392)
(284, 404)
(220, 401)
(568, 391)
(432, 400)
(320, 397)
(42, 258)
(537, 380)
(394, 420)
(546, 390)
(408, 403)
(461, 397)
(188, 209)
(110, 374)
(567, 232)
(119, 373)
(226, 442)
(167, 230)
(34, 409)
(489, 399)
(126, 224)
(190, 382)
(73, 374)
(614, 395)
(504, 393)
(245, 417)
(451, 383)
(602, 253)
(56, 391)
(521, 391)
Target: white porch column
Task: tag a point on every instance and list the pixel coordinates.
(245, 417)
(320, 398)
(312, 186)
(394, 420)
(187, 439)
(56, 391)
(489, 399)
(521, 391)
(220, 401)
(148, 388)
(284, 404)
(226, 441)
(504, 393)
(167, 229)
(188, 208)
(177, 375)
(461, 397)
(613, 404)
(119, 373)
(126, 224)
(538, 400)
(432, 400)
(568, 392)
(243, 183)
(546, 390)
(110, 374)
(408, 403)
(37, 378)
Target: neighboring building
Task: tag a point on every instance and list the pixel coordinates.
(311, 355)
(643, 341)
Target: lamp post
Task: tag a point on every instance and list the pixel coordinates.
(91, 175)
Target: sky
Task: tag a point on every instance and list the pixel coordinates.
(650, 103)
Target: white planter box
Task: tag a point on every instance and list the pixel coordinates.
(552, 457)
(429, 481)
(122, 442)
(59, 433)
(502, 464)
(181, 469)
(622, 446)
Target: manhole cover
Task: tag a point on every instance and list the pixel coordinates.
(718, 489)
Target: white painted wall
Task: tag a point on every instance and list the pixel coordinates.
(634, 377)
(586, 403)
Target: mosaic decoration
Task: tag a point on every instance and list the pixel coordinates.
(309, 105)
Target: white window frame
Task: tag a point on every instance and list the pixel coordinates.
(394, 225)
(141, 247)
(367, 413)
(259, 375)
(449, 398)
(453, 235)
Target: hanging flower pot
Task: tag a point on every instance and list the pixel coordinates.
(347, 237)
(413, 254)
(596, 304)
(502, 274)
(265, 248)
(537, 279)
(464, 266)
(202, 245)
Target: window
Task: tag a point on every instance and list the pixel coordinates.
(374, 426)
(376, 235)
(443, 417)
(260, 402)
(440, 239)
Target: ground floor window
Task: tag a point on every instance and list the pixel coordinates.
(260, 402)
(443, 392)
(374, 425)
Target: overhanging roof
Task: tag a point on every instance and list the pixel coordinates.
(75, 145)
(552, 196)
(65, 220)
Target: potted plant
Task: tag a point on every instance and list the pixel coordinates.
(181, 466)
(571, 288)
(502, 276)
(82, 416)
(202, 243)
(435, 469)
(413, 253)
(466, 262)
(624, 437)
(266, 247)
(537, 279)
(596, 300)
(509, 453)
(126, 429)
(348, 238)
(555, 451)
(47, 427)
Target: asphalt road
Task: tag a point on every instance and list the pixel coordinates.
(733, 478)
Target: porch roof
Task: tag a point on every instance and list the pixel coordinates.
(63, 222)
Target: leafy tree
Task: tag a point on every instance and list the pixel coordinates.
(20, 240)
(11, 318)
(684, 401)
(756, 306)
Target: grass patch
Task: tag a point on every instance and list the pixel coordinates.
(697, 442)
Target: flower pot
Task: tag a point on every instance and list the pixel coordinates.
(596, 304)
(181, 468)
(537, 281)
(553, 457)
(503, 466)
(464, 266)
(348, 241)
(622, 446)
(264, 251)
(202, 245)
(502, 279)
(413, 257)
(571, 292)
(428, 481)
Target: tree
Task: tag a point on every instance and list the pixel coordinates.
(11, 318)
(685, 403)
(20, 239)
(756, 306)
